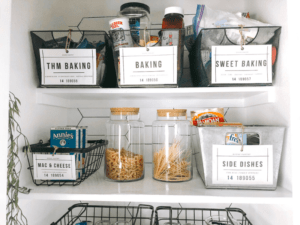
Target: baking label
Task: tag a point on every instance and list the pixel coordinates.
(253, 165)
(232, 65)
(57, 167)
(77, 67)
(157, 65)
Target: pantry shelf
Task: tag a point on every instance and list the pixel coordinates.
(95, 188)
(163, 97)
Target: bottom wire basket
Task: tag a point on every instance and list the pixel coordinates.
(91, 161)
(165, 215)
(85, 214)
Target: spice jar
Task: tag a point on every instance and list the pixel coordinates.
(124, 160)
(173, 34)
(173, 18)
(139, 19)
(172, 152)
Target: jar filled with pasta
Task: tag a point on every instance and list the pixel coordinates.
(172, 150)
(124, 160)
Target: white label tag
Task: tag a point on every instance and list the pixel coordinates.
(158, 65)
(253, 165)
(78, 67)
(57, 167)
(231, 65)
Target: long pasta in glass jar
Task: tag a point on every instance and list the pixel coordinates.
(124, 159)
(172, 152)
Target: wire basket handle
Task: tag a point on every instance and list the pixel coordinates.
(228, 210)
(138, 209)
(162, 208)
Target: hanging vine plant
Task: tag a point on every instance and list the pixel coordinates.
(14, 214)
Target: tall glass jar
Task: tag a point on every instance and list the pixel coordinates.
(172, 150)
(139, 19)
(124, 160)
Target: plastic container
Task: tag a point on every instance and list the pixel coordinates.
(139, 19)
(172, 151)
(119, 31)
(124, 160)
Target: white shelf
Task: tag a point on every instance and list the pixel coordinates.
(95, 188)
(155, 97)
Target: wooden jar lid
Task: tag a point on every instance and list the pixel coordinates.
(171, 112)
(124, 111)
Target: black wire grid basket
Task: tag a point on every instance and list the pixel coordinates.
(93, 158)
(197, 216)
(98, 214)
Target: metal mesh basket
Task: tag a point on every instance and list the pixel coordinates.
(200, 55)
(132, 215)
(56, 39)
(197, 216)
(93, 158)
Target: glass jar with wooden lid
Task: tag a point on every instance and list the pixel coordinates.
(171, 144)
(124, 156)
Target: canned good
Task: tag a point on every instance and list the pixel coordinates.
(120, 33)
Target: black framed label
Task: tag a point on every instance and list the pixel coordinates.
(57, 167)
(152, 65)
(253, 165)
(77, 67)
(234, 64)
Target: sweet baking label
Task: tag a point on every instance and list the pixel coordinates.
(232, 65)
(77, 67)
(157, 65)
(57, 167)
(253, 165)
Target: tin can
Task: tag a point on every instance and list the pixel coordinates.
(120, 33)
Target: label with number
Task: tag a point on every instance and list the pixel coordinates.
(77, 67)
(57, 167)
(232, 65)
(153, 65)
(253, 165)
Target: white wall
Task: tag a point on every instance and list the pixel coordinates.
(275, 12)
(35, 120)
(5, 16)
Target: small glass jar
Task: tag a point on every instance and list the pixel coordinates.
(139, 19)
(124, 156)
(172, 150)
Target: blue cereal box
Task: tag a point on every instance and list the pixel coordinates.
(64, 137)
(83, 135)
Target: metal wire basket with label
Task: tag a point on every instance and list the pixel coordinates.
(48, 162)
(84, 213)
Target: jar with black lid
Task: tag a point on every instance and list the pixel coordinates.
(139, 20)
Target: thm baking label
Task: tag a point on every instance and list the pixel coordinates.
(232, 65)
(57, 167)
(77, 67)
(253, 165)
(157, 65)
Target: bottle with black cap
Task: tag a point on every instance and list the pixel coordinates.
(139, 19)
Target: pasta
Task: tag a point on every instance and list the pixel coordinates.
(123, 165)
(172, 166)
